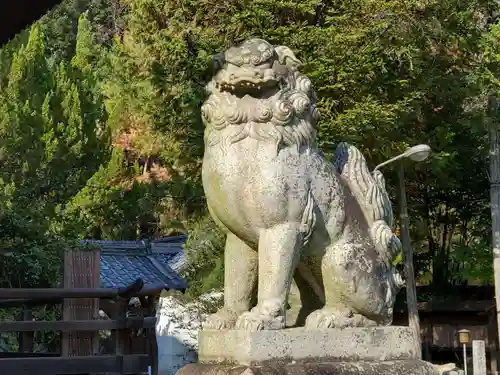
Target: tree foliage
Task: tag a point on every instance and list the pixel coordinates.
(50, 146)
(101, 134)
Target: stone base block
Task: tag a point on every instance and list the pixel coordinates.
(303, 346)
(400, 367)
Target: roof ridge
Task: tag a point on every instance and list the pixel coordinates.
(163, 268)
(119, 247)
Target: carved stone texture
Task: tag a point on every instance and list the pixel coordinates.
(479, 357)
(449, 369)
(403, 367)
(300, 345)
(370, 351)
(289, 213)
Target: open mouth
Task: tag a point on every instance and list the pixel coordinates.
(244, 87)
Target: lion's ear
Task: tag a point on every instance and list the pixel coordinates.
(287, 57)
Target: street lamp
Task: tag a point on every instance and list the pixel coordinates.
(464, 339)
(416, 153)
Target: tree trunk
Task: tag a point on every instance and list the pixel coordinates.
(411, 287)
(495, 209)
(145, 168)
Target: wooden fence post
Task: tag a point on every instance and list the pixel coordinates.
(493, 340)
(81, 270)
(121, 336)
(152, 303)
(26, 339)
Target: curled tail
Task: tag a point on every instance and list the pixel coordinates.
(369, 189)
(370, 192)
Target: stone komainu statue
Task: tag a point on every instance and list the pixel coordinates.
(289, 213)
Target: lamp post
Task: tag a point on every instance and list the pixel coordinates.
(416, 153)
(464, 339)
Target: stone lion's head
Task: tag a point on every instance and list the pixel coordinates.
(257, 91)
(255, 68)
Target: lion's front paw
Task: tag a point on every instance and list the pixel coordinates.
(336, 318)
(328, 318)
(250, 321)
(265, 317)
(253, 321)
(223, 319)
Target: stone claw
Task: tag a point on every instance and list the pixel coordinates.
(223, 319)
(336, 318)
(253, 321)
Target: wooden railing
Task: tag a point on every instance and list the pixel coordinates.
(121, 326)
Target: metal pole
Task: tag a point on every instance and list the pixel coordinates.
(465, 359)
(495, 209)
(411, 290)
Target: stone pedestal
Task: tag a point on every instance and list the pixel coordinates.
(294, 351)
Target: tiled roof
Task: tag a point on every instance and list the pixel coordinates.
(170, 250)
(176, 261)
(157, 263)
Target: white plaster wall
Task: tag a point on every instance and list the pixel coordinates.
(172, 355)
(177, 331)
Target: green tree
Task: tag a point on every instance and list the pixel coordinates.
(388, 75)
(49, 146)
(486, 104)
(101, 135)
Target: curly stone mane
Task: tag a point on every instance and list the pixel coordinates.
(262, 96)
(287, 210)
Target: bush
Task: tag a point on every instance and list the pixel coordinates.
(205, 261)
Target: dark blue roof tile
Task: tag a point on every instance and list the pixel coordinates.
(175, 260)
(122, 262)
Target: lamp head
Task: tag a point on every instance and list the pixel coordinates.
(464, 336)
(418, 152)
